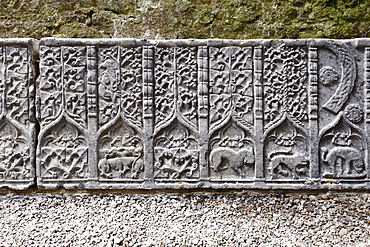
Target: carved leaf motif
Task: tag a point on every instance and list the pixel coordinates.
(50, 84)
(186, 75)
(14, 153)
(231, 90)
(121, 153)
(176, 154)
(74, 79)
(284, 84)
(219, 85)
(132, 84)
(164, 102)
(17, 84)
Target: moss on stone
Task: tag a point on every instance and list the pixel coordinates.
(236, 19)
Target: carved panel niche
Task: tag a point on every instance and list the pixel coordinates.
(176, 149)
(17, 126)
(63, 138)
(231, 113)
(343, 146)
(286, 146)
(120, 99)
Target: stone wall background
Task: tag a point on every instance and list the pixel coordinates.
(164, 19)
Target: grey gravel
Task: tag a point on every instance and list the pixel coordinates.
(329, 220)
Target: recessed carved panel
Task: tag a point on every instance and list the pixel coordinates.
(17, 124)
(286, 145)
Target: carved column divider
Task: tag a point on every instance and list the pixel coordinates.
(313, 111)
(258, 111)
(203, 80)
(148, 88)
(92, 112)
(367, 104)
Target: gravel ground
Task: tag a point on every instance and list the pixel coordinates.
(185, 220)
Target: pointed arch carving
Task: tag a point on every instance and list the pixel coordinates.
(286, 151)
(120, 151)
(231, 151)
(176, 152)
(343, 150)
(63, 153)
(15, 152)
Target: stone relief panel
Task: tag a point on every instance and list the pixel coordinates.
(17, 124)
(189, 114)
(63, 138)
(176, 151)
(120, 113)
(285, 79)
(343, 146)
(231, 113)
(90, 113)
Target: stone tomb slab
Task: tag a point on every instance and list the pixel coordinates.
(220, 114)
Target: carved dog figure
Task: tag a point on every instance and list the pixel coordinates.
(223, 158)
(286, 165)
(343, 159)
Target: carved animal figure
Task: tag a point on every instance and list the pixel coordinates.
(121, 164)
(343, 160)
(288, 165)
(223, 158)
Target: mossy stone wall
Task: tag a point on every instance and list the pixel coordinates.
(165, 19)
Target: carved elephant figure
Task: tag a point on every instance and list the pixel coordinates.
(223, 158)
(288, 165)
(343, 160)
(121, 164)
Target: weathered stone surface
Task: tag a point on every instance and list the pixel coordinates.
(125, 113)
(170, 19)
(17, 122)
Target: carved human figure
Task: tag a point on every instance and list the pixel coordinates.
(223, 158)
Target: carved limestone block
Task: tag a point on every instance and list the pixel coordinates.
(91, 114)
(17, 121)
(126, 113)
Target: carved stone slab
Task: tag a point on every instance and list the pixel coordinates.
(125, 113)
(17, 122)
